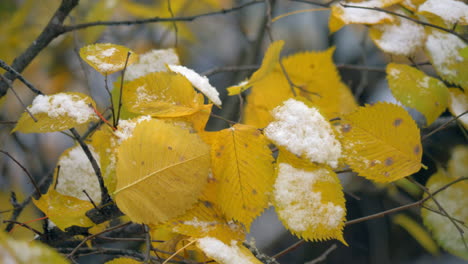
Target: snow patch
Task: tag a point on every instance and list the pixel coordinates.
(221, 252)
(450, 11)
(444, 50)
(351, 15)
(152, 61)
(126, 127)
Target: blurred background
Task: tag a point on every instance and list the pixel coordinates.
(208, 44)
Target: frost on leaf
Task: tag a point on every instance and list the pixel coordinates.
(222, 253)
(161, 172)
(341, 15)
(320, 84)
(200, 82)
(107, 58)
(242, 163)
(57, 112)
(454, 202)
(161, 94)
(270, 61)
(14, 251)
(415, 89)
(450, 11)
(402, 37)
(310, 202)
(458, 104)
(381, 142)
(444, 50)
(304, 132)
(151, 61)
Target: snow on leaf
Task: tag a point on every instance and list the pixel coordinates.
(454, 202)
(304, 132)
(161, 94)
(226, 253)
(309, 200)
(402, 37)
(151, 61)
(270, 61)
(341, 15)
(161, 172)
(415, 89)
(320, 84)
(444, 52)
(200, 82)
(14, 251)
(57, 112)
(458, 103)
(412, 4)
(381, 142)
(450, 11)
(107, 58)
(242, 163)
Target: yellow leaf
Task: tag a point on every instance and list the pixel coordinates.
(107, 58)
(444, 50)
(123, 261)
(57, 112)
(226, 253)
(451, 12)
(161, 94)
(197, 120)
(31, 252)
(417, 232)
(454, 201)
(320, 85)
(381, 142)
(161, 172)
(207, 219)
(64, 210)
(458, 104)
(309, 199)
(271, 59)
(415, 89)
(242, 163)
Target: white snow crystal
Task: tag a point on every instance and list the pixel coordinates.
(304, 131)
(200, 82)
(363, 16)
(450, 11)
(302, 206)
(126, 127)
(76, 174)
(221, 252)
(444, 50)
(152, 61)
(62, 104)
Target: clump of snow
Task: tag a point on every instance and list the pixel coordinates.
(76, 174)
(200, 82)
(203, 225)
(221, 252)
(403, 37)
(108, 52)
(450, 11)
(444, 51)
(351, 15)
(425, 82)
(62, 104)
(301, 206)
(304, 131)
(152, 61)
(126, 127)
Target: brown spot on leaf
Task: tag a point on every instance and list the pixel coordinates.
(218, 154)
(312, 66)
(207, 204)
(246, 145)
(221, 147)
(346, 128)
(417, 150)
(257, 133)
(169, 147)
(436, 103)
(397, 122)
(181, 158)
(373, 163)
(386, 174)
(142, 163)
(254, 191)
(389, 161)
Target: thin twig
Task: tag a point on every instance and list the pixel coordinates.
(31, 178)
(324, 255)
(106, 86)
(18, 76)
(90, 199)
(147, 244)
(116, 122)
(443, 126)
(25, 226)
(8, 82)
(174, 24)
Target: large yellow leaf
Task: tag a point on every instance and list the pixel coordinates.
(415, 89)
(161, 94)
(57, 112)
(458, 104)
(454, 201)
(320, 85)
(223, 253)
(107, 58)
(242, 163)
(381, 142)
(161, 172)
(271, 59)
(32, 252)
(445, 54)
(64, 210)
(309, 199)
(207, 219)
